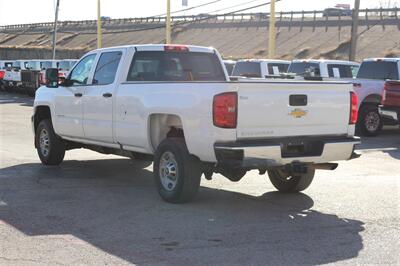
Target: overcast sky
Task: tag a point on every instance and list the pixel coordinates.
(31, 11)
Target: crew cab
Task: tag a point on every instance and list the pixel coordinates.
(369, 85)
(328, 69)
(175, 105)
(260, 68)
(390, 108)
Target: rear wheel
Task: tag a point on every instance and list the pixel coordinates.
(50, 147)
(177, 174)
(369, 121)
(286, 182)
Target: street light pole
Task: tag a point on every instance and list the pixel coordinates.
(168, 23)
(272, 31)
(99, 33)
(354, 31)
(55, 30)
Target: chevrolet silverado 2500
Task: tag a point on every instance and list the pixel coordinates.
(176, 106)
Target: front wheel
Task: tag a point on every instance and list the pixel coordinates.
(369, 121)
(50, 147)
(286, 182)
(177, 174)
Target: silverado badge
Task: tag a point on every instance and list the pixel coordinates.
(298, 113)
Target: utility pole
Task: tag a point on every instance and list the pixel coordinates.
(354, 31)
(272, 31)
(55, 30)
(168, 23)
(99, 33)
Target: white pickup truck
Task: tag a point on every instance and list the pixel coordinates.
(369, 86)
(175, 105)
(260, 68)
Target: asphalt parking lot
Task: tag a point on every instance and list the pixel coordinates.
(96, 209)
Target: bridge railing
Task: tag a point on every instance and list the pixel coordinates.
(382, 13)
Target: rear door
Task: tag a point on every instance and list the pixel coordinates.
(99, 96)
(280, 109)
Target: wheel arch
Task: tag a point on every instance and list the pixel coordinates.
(162, 126)
(41, 112)
(372, 99)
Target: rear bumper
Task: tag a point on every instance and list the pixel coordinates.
(390, 113)
(278, 152)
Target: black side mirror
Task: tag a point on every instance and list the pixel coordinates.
(52, 77)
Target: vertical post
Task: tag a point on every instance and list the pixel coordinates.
(55, 30)
(99, 33)
(354, 31)
(272, 31)
(168, 23)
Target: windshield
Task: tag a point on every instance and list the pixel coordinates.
(45, 65)
(175, 66)
(31, 65)
(247, 69)
(302, 68)
(380, 70)
(64, 65)
(229, 67)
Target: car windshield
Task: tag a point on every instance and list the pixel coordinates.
(247, 69)
(302, 68)
(64, 65)
(32, 65)
(45, 65)
(381, 70)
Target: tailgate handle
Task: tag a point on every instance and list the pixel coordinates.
(298, 100)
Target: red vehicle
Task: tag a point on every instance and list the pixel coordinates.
(390, 107)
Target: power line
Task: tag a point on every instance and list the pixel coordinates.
(185, 22)
(187, 9)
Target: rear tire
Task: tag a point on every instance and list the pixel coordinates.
(177, 174)
(369, 121)
(286, 183)
(49, 146)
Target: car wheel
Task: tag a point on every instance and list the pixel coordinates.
(369, 121)
(177, 174)
(50, 147)
(287, 183)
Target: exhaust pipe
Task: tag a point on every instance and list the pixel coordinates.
(324, 166)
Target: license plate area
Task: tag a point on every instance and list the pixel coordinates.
(302, 149)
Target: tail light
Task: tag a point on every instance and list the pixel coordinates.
(353, 108)
(2, 73)
(225, 110)
(384, 94)
(176, 48)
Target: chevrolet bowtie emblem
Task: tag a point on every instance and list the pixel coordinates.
(298, 113)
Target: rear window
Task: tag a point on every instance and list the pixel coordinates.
(247, 69)
(175, 66)
(303, 67)
(378, 70)
(277, 68)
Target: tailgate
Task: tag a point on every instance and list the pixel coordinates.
(281, 109)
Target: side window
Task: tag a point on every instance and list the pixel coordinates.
(340, 71)
(277, 68)
(80, 74)
(107, 68)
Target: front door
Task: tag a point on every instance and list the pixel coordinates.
(68, 106)
(99, 97)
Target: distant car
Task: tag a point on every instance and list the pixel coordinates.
(260, 68)
(229, 65)
(336, 12)
(324, 68)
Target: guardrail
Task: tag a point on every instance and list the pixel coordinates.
(382, 13)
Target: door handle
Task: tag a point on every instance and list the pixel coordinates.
(107, 95)
(78, 94)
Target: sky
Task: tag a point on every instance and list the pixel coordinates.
(33, 11)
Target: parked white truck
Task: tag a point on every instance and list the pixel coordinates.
(175, 105)
(260, 68)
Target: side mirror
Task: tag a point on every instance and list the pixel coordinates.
(52, 78)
